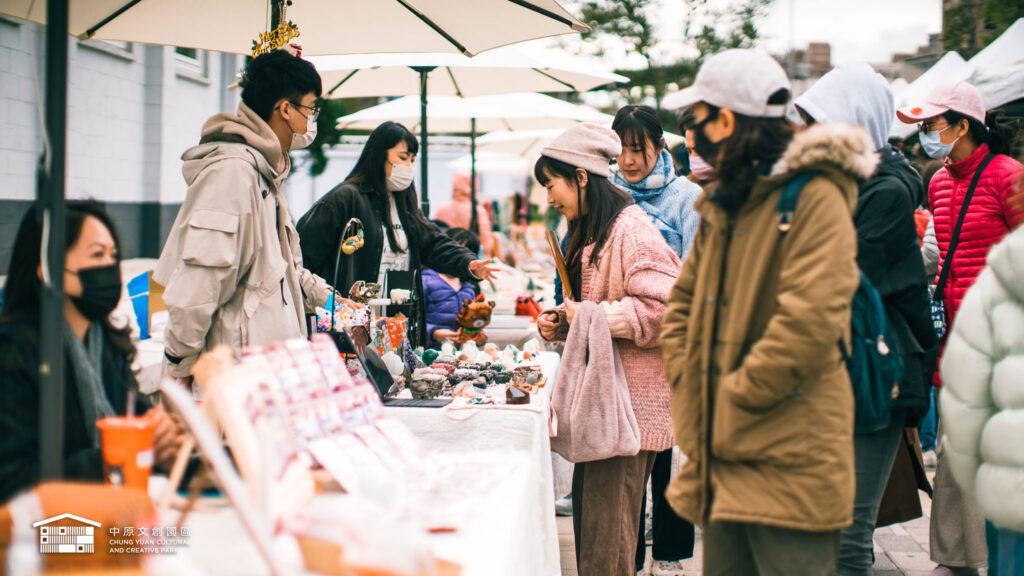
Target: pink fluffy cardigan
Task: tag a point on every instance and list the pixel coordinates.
(632, 280)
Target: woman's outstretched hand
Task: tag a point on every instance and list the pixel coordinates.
(483, 269)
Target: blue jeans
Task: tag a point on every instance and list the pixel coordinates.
(1011, 553)
(874, 454)
(927, 429)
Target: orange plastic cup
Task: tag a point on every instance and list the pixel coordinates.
(127, 450)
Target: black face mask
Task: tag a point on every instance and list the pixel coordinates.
(101, 291)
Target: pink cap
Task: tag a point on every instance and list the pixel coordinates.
(959, 97)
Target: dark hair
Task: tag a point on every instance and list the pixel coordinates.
(465, 237)
(274, 76)
(603, 204)
(755, 145)
(637, 125)
(1000, 135)
(369, 174)
(23, 287)
(682, 158)
(686, 120)
(926, 176)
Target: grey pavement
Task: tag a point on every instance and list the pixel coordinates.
(900, 550)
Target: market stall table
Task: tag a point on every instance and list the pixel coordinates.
(507, 432)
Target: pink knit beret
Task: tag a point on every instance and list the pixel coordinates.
(586, 146)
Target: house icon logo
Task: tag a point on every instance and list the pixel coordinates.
(66, 534)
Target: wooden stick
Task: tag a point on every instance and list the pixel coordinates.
(177, 472)
(563, 272)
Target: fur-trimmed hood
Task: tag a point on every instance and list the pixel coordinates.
(846, 147)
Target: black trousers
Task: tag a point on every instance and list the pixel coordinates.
(673, 536)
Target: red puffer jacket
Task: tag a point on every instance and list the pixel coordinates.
(989, 217)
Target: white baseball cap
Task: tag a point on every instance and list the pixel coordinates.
(739, 80)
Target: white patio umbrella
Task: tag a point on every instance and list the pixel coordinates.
(492, 163)
(448, 114)
(503, 70)
(327, 26)
(518, 68)
(527, 144)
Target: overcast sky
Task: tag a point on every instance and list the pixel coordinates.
(870, 30)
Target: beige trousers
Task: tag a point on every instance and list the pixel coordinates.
(957, 531)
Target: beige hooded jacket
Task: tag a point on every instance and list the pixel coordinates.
(231, 267)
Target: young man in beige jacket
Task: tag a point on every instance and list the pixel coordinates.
(231, 268)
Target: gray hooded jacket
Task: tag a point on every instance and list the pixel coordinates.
(231, 267)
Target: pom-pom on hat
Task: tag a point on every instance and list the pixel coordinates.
(586, 146)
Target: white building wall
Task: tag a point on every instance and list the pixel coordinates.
(19, 120)
(132, 110)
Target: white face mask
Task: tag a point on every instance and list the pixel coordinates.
(300, 141)
(401, 177)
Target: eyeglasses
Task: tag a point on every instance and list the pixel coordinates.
(315, 110)
(925, 127)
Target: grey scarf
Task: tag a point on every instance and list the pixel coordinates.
(86, 366)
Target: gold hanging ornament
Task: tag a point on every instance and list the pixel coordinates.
(278, 37)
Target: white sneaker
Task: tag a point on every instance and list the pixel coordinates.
(929, 459)
(663, 568)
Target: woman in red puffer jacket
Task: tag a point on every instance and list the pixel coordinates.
(954, 125)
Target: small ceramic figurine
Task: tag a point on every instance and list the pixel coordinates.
(363, 292)
(474, 315)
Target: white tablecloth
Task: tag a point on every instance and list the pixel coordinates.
(498, 540)
(504, 431)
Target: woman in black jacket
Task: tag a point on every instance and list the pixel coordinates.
(97, 356)
(397, 237)
(889, 254)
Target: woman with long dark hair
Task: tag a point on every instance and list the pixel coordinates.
(97, 358)
(618, 260)
(762, 402)
(397, 237)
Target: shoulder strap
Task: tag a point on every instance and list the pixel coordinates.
(790, 196)
(940, 286)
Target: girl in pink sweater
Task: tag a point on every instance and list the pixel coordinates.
(617, 258)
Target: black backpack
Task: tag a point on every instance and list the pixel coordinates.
(875, 366)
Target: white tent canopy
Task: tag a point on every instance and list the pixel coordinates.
(999, 68)
(1006, 50)
(997, 72)
(950, 68)
(448, 114)
(327, 26)
(507, 69)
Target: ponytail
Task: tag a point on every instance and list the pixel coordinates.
(1000, 134)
